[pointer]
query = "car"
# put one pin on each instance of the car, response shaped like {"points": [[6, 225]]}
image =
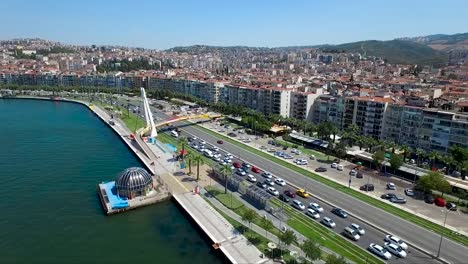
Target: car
{"points": [[263, 147], [312, 157], [272, 191], [256, 170], [379, 251], [195, 147], [220, 142], [261, 185], [202, 142], [246, 165], [391, 186], [351, 233], [266, 174], [251, 178], [409, 192], [388, 196], [352, 173], [271, 150], [359, 175], [236, 165], [302, 193], [280, 182], [290, 193], [215, 149], [232, 134], [301, 162], [451, 206], [439, 201], [287, 156], [321, 169], [294, 150], [312, 213], [368, 187], [328, 222], [359, 229], [339, 167], [284, 198], [429, 198], [190, 139], [398, 200], [396, 240], [217, 159], [395, 250], [334, 165], [316, 207], [298, 205], [269, 182], [340, 212], [241, 172]]}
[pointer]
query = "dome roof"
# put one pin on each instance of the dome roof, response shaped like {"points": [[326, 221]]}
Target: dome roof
{"points": [[134, 178]]}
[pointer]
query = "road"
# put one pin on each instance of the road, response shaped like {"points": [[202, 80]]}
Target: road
{"points": [[450, 251]]}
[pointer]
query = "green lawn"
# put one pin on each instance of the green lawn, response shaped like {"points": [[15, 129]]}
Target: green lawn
{"points": [[131, 120], [308, 152], [377, 203]]}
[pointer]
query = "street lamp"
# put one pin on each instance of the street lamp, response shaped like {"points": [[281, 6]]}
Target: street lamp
{"points": [[442, 234]]}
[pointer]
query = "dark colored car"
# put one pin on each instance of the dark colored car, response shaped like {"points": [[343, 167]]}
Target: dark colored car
{"points": [[336, 161], [290, 193], [220, 142], [284, 198], [388, 196], [451, 206], [261, 185], [368, 187], [232, 134], [398, 200], [428, 198], [439, 202], [340, 212], [359, 175], [189, 139], [321, 169]]}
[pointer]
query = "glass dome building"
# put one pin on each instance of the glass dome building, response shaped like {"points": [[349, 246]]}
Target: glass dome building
{"points": [[133, 182]]}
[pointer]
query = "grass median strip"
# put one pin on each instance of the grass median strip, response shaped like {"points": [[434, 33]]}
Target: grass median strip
{"points": [[363, 197]]}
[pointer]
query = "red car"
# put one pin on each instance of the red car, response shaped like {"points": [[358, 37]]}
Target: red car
{"points": [[256, 170], [439, 202], [220, 142], [236, 165], [290, 193]]}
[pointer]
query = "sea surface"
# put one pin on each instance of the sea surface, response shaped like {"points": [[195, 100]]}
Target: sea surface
{"points": [[52, 156]]}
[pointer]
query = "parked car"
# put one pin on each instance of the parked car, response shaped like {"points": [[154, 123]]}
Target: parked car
{"points": [[232, 134], [316, 207], [236, 165], [312, 213], [220, 142], [353, 173], [340, 212], [246, 165], [409, 192], [298, 205], [379, 251], [428, 198], [312, 157], [328, 222], [251, 178], [301, 162], [359, 175], [396, 240], [256, 170], [339, 167], [359, 229], [321, 169], [273, 191], [269, 182], [368, 187], [302, 193], [266, 174], [398, 200], [261, 185], [334, 165], [284, 198], [451, 206], [395, 250], [391, 186], [280, 182], [439, 201], [241, 172], [351, 233], [290, 193], [388, 196]]}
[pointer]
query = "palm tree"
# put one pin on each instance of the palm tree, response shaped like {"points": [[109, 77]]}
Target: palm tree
{"points": [[434, 155], [197, 158], [406, 151], [183, 143], [189, 157], [419, 152], [226, 170]]}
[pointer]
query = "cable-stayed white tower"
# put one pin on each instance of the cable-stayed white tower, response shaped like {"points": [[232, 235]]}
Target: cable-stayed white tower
{"points": [[148, 115]]}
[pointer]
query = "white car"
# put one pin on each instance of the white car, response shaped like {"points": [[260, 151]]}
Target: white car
{"points": [[203, 142], [316, 207], [215, 148], [269, 182], [333, 165], [359, 229], [328, 222], [298, 204], [353, 173], [339, 167], [251, 178], [241, 172], [267, 175], [379, 251], [273, 191], [312, 213], [396, 240], [217, 159], [280, 182], [227, 160], [395, 250], [301, 162], [195, 147]]}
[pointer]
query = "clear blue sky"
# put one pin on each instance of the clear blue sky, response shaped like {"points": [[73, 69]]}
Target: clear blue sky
{"points": [[169, 23]]}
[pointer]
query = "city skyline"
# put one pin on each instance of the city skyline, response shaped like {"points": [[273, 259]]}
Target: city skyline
{"points": [[164, 25]]}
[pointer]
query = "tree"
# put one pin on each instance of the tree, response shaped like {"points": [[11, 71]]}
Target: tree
{"points": [[287, 238], [311, 249], [226, 170], [340, 149], [419, 152], [378, 158], [249, 216], [395, 162], [183, 142], [459, 155], [329, 150], [434, 181], [267, 225], [333, 259], [189, 157], [406, 151], [198, 159]]}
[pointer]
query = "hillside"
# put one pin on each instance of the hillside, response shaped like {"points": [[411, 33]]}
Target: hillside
{"points": [[396, 51], [442, 41]]}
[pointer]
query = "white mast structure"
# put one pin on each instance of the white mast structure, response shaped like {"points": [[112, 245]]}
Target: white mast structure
{"points": [[148, 115]]}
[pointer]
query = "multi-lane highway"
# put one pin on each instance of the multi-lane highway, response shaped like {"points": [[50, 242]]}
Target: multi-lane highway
{"points": [[377, 219]]}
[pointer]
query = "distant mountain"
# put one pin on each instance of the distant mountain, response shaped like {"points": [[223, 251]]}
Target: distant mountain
{"points": [[443, 42], [395, 51]]}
